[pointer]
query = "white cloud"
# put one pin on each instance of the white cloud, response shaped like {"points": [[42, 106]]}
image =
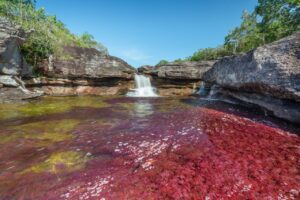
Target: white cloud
{"points": [[135, 55]]}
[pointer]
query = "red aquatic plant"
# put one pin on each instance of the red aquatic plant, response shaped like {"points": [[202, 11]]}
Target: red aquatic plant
{"points": [[196, 153]]}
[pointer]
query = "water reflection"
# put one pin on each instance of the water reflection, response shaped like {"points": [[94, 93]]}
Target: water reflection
{"points": [[143, 109]]}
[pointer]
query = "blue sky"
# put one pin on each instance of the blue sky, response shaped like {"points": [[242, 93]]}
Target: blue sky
{"points": [[146, 31]]}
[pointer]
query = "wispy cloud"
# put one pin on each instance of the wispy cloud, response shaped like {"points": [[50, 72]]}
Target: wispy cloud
{"points": [[135, 55]]}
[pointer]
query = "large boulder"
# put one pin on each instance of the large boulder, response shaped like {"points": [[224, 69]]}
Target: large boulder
{"points": [[268, 76], [177, 78], [11, 60], [80, 62]]}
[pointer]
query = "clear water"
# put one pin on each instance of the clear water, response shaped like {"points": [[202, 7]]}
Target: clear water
{"points": [[144, 148]]}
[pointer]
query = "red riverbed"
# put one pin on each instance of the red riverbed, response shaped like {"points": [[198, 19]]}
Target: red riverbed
{"points": [[152, 149]]}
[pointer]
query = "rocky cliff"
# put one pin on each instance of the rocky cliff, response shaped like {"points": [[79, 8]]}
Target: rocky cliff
{"points": [[83, 71], [11, 60], [12, 64], [182, 78], [268, 76], [76, 71]]}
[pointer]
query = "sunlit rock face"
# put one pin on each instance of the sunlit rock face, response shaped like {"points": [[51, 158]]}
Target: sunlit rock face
{"points": [[12, 63], [80, 71], [80, 86], [77, 62], [268, 76], [125, 148]]}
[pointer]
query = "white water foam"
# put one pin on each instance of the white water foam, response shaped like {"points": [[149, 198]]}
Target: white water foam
{"points": [[143, 87]]}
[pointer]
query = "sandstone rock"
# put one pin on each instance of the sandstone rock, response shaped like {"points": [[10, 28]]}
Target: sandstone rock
{"points": [[7, 80], [13, 89], [148, 70], [80, 86], [271, 71], [11, 60], [184, 70], [86, 63], [177, 79], [83, 71], [8, 95]]}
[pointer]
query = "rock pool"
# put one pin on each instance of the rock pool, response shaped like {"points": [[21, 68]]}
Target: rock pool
{"points": [[137, 148]]}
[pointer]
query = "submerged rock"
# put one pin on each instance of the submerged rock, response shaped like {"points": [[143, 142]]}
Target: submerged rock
{"points": [[268, 76]]}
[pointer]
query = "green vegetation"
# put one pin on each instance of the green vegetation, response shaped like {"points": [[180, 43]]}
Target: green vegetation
{"points": [[44, 132], [59, 162], [49, 105], [270, 21], [49, 35], [210, 54], [162, 62]]}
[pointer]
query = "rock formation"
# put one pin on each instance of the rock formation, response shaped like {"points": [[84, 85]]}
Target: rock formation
{"points": [[12, 64], [182, 78], [83, 71], [86, 63], [76, 71], [11, 60], [268, 76]]}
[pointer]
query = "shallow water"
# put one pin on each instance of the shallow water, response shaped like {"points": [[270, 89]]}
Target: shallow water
{"points": [[159, 148]]}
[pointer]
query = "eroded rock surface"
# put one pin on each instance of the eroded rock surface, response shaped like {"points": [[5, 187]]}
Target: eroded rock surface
{"points": [[271, 72], [11, 60], [80, 86], [76, 71], [12, 64], [182, 78], [86, 63], [84, 71]]}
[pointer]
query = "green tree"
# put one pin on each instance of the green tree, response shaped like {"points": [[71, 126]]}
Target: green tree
{"points": [[270, 21], [279, 18], [245, 37], [210, 54], [162, 62], [88, 40]]}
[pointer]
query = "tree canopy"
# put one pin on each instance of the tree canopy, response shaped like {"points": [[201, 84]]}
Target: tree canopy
{"points": [[270, 21]]}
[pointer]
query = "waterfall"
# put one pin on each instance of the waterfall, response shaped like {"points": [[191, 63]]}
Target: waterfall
{"points": [[143, 87]]}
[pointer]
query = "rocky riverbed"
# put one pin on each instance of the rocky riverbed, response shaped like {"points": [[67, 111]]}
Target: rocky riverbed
{"points": [[153, 148]]}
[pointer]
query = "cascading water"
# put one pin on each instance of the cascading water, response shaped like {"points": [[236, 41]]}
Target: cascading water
{"points": [[144, 87]]}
